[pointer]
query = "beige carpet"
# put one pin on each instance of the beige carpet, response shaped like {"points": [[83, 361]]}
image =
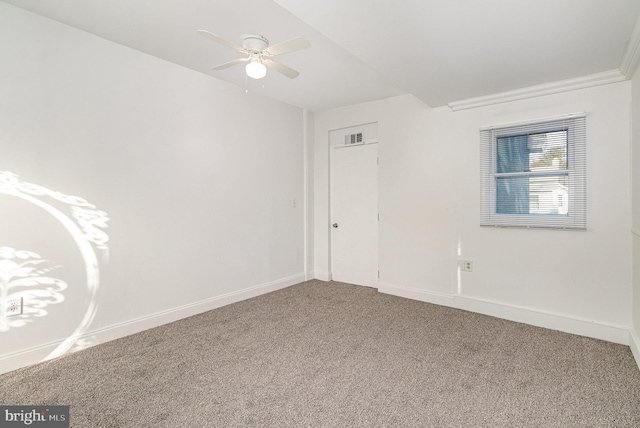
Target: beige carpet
{"points": [[331, 354]]}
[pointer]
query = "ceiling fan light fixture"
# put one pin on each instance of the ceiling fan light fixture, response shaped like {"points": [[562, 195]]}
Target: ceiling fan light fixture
{"points": [[259, 54], [256, 70]]}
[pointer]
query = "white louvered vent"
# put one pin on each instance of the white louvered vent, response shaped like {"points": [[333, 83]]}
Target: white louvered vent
{"points": [[351, 139]]}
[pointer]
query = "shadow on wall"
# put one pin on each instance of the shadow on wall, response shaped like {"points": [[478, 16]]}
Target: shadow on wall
{"points": [[49, 266]]}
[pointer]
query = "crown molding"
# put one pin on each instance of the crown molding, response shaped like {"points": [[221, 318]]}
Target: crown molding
{"points": [[631, 57], [597, 79]]}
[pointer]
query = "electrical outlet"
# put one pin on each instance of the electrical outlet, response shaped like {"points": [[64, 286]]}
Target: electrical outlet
{"points": [[13, 307], [465, 265]]}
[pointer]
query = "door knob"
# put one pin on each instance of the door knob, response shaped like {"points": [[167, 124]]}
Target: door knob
{"points": [[335, 225]]}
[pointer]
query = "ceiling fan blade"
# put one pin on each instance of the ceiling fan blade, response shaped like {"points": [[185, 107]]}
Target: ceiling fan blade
{"points": [[289, 46], [230, 64], [281, 68], [215, 38]]}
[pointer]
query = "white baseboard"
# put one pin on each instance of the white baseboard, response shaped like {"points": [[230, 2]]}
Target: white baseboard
{"points": [[415, 294], [322, 276], [611, 333], [634, 344], [25, 357], [567, 324]]}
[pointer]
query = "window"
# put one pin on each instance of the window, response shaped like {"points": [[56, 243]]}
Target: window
{"points": [[533, 174]]}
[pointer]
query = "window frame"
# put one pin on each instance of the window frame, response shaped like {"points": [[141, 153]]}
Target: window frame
{"points": [[575, 219]]}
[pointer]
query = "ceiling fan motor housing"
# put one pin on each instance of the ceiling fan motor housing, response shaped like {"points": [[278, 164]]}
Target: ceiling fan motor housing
{"points": [[254, 42]]}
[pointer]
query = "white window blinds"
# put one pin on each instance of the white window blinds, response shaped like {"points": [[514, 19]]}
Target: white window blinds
{"points": [[533, 174]]}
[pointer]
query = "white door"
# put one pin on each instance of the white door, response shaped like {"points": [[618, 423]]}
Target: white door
{"points": [[354, 214]]}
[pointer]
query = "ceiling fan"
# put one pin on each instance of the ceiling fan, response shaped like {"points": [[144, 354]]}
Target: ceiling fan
{"points": [[259, 54]]}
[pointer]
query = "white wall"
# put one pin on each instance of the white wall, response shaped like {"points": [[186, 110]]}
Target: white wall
{"points": [[429, 209], [635, 223], [197, 177], [309, 134]]}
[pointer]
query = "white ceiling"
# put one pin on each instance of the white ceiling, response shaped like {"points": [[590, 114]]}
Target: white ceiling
{"points": [[361, 50]]}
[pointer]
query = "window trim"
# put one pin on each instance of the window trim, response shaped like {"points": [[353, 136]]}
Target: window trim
{"points": [[575, 219]]}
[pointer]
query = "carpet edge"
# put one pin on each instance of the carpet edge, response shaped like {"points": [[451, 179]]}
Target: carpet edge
{"points": [[565, 323], [35, 354]]}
